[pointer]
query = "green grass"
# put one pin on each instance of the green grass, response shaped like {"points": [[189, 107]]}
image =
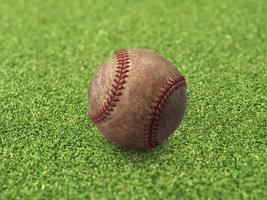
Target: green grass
{"points": [[50, 49]]}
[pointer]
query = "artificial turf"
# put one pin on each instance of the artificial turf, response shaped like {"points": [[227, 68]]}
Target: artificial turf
{"points": [[50, 49]]}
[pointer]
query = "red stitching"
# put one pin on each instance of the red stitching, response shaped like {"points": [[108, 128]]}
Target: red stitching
{"points": [[123, 63], [153, 116]]}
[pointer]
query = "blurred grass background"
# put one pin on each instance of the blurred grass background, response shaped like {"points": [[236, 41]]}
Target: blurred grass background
{"points": [[50, 49]]}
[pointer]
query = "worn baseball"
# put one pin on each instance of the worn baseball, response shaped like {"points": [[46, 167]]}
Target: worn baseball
{"points": [[137, 98]]}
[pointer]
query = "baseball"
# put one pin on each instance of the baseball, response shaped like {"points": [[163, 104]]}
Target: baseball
{"points": [[137, 98]]}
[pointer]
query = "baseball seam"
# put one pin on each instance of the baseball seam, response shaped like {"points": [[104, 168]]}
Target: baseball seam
{"points": [[153, 116], [123, 63]]}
